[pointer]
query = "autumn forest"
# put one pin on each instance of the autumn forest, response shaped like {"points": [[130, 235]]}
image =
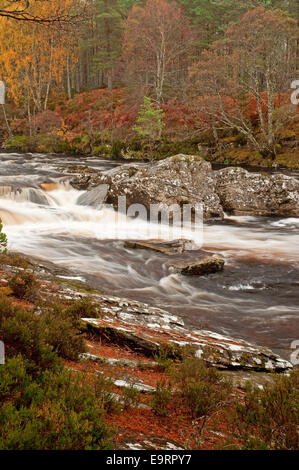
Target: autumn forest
{"points": [[217, 72]]}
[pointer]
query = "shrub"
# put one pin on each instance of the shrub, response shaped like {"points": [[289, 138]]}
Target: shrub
{"points": [[19, 143], [103, 149], [163, 360], [268, 418], [131, 396], [61, 330], [13, 259], [241, 139], [203, 389], [40, 338], [24, 285], [162, 398], [83, 308], [103, 389], [23, 333], [117, 148], [54, 411]]}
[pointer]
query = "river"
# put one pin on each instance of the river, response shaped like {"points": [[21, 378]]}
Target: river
{"points": [[256, 298]]}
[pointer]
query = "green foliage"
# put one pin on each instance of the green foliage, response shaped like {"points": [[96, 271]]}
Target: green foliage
{"points": [[23, 332], [149, 123], [109, 30], [101, 150], [163, 360], [24, 285], [81, 144], [268, 418], [117, 148], [54, 411], [61, 329], [203, 389], [42, 405], [40, 338], [18, 143], [13, 259], [83, 308], [213, 17], [131, 396], [3, 240], [162, 398]]}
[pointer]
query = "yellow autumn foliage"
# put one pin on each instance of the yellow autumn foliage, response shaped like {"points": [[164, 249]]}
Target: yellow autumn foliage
{"points": [[34, 57]]}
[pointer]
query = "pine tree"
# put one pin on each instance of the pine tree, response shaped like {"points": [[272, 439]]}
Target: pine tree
{"points": [[109, 24], [3, 240], [150, 123]]}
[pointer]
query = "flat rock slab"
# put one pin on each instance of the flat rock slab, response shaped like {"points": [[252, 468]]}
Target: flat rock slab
{"points": [[115, 362], [150, 443], [207, 265], [163, 333], [171, 248]]}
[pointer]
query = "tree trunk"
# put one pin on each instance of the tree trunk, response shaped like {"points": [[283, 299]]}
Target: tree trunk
{"points": [[6, 121], [68, 77]]}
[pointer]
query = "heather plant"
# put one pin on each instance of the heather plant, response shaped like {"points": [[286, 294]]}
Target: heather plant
{"points": [[162, 398], [24, 285], [83, 308], [44, 406], [41, 339], [268, 418], [203, 389], [131, 397], [53, 411]]}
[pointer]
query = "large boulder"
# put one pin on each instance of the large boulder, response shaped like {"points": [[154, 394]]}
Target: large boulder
{"points": [[178, 180], [242, 192]]}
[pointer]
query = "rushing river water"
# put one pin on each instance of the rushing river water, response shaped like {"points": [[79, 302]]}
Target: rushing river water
{"points": [[256, 298]]}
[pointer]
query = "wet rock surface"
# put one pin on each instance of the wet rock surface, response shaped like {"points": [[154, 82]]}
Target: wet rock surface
{"points": [[95, 197], [207, 265], [176, 247], [152, 338]]}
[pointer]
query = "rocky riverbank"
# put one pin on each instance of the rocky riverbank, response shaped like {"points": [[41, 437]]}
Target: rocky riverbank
{"points": [[134, 349], [145, 329]]}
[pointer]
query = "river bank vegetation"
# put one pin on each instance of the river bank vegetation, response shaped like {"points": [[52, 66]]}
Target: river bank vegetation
{"points": [[217, 77], [52, 399]]}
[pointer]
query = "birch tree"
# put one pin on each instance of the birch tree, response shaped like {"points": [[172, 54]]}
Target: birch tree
{"points": [[250, 69]]}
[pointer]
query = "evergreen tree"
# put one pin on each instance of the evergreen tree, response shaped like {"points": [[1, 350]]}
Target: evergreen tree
{"points": [[150, 123], [3, 240], [109, 26]]}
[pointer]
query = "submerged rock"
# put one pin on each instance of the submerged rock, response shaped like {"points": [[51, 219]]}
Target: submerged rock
{"points": [[242, 192], [207, 265], [171, 248]]}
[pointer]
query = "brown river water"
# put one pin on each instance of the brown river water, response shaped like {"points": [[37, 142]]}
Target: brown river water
{"points": [[256, 298]]}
